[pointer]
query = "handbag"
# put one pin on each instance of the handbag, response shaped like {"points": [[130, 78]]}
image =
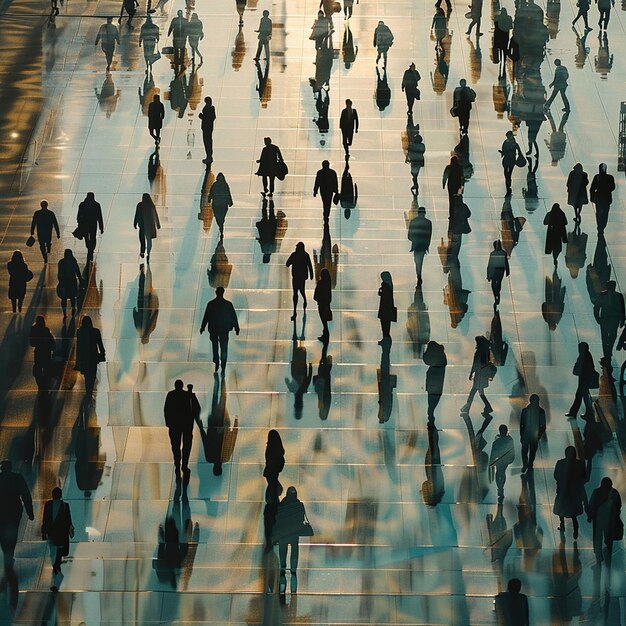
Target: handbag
{"points": [[594, 380], [153, 58], [454, 112], [394, 314], [30, 242], [167, 50], [336, 198], [281, 170], [78, 233], [521, 160], [618, 529], [306, 530]]}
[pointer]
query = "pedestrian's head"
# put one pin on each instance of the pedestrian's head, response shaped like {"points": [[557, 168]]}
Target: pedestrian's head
{"points": [[219, 292], [267, 140], [194, 16], [325, 164], [509, 134], [556, 207], [386, 278], [179, 13], [156, 98], [570, 453], [40, 321], [266, 13], [412, 66], [381, 23], [578, 167], [320, 14], [68, 253], [418, 138], [90, 196], [300, 246], [602, 168], [57, 493], [497, 245], [220, 178], [178, 384], [515, 584], [274, 441], [534, 399], [606, 484], [421, 210], [325, 276], [610, 286], [6, 466], [44, 203], [462, 82], [109, 19], [292, 493], [503, 430], [583, 347], [86, 322], [208, 101], [557, 62], [349, 102], [17, 257], [148, 19], [502, 11]]}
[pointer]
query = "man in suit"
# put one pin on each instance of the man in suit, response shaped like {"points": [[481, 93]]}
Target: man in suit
{"points": [[14, 498], [208, 121], [44, 220], [156, 115], [89, 218], [265, 34], [326, 183], [219, 318], [178, 30], [57, 528], [349, 124], [410, 80], [179, 417], [420, 234]]}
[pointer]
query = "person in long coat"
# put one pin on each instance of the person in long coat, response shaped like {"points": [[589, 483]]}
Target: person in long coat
{"points": [[585, 371], [383, 40], [601, 194], [509, 151], [147, 220], [89, 352], [274, 458], [268, 165], [42, 340], [570, 476], [435, 358], [19, 275], [577, 182], [69, 280], [497, 268], [220, 200], [323, 295], [387, 311], [57, 528], [89, 218], [604, 510], [156, 115], [481, 373], [556, 235]]}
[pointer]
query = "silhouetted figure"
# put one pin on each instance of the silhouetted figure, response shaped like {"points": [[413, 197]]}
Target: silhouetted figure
{"points": [[301, 371], [570, 476], [149, 36], [348, 49], [274, 459], [180, 411], [14, 498], [454, 179], [57, 529], [559, 85], [349, 125], [195, 32], [265, 34], [604, 8], [554, 305], [556, 233], [435, 358], [415, 156], [208, 121], [439, 27], [503, 25], [268, 165], [19, 275], [219, 319], [497, 269], [576, 251], [221, 201], [512, 606], [327, 185], [499, 346], [603, 511], [107, 37], [267, 228], [481, 373], [387, 311], [348, 192], [462, 104], [69, 281], [532, 426], [321, 29], [89, 219], [44, 220], [476, 13], [323, 296], [156, 115], [146, 313], [502, 455], [410, 81], [130, 6], [89, 352], [383, 91], [420, 235], [510, 151], [587, 378], [383, 40], [348, 5], [609, 312], [178, 30], [601, 194], [418, 323], [577, 182], [272, 500], [583, 10], [458, 225], [322, 382], [147, 220], [43, 342], [301, 270]]}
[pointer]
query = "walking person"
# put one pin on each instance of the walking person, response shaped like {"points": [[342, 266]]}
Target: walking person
{"points": [[14, 498], [323, 295], [435, 358], [221, 201], [410, 81], [264, 36], [439, 28], [57, 529], [583, 10], [149, 36], [89, 352], [577, 182], [608, 311], [301, 270], [482, 371], [130, 6], [328, 186], [179, 418], [415, 156], [570, 476], [556, 233], [349, 125], [69, 281], [274, 460], [268, 165], [454, 179], [44, 221], [383, 40], [588, 378], [178, 30], [532, 427], [462, 99], [156, 115], [420, 235], [42, 340], [502, 455], [601, 194], [503, 24], [108, 35], [19, 275], [559, 85], [511, 606], [195, 33], [510, 152], [147, 221], [604, 8], [497, 269], [89, 219], [387, 311], [219, 319], [476, 13], [207, 115], [603, 511]]}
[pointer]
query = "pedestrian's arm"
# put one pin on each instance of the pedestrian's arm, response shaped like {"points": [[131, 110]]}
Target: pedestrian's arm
{"points": [[97, 39], [444, 179], [100, 220], [33, 223], [156, 219], [317, 185], [235, 320], [356, 121], [310, 267], [205, 319], [55, 225], [27, 499]]}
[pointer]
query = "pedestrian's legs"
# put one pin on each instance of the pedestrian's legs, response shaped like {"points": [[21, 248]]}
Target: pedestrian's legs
{"points": [[108, 53], [223, 337], [142, 242], [385, 326], [551, 98], [496, 287], [608, 540], [14, 304], [508, 174], [575, 525], [266, 47], [565, 100], [525, 450], [327, 203], [282, 556], [433, 401], [148, 245], [410, 99], [207, 138], [175, 440], [293, 558], [215, 345], [532, 451], [500, 479], [470, 398], [573, 411], [272, 178], [264, 179], [418, 257], [187, 436], [44, 250], [488, 407], [588, 402], [257, 56]]}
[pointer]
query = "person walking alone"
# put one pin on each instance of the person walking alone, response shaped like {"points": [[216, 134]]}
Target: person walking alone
{"points": [[601, 194], [147, 220], [69, 281], [89, 219], [156, 115], [349, 125], [410, 81], [328, 186], [57, 529], [44, 221], [265, 34], [219, 319], [603, 511], [301, 270], [19, 275], [559, 85], [208, 122]]}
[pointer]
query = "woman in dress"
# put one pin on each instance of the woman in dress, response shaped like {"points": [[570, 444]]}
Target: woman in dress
{"points": [[570, 476], [556, 234], [19, 275], [387, 311], [89, 352], [221, 201]]}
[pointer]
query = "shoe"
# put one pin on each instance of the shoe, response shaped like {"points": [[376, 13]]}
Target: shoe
{"points": [[141, 255], [576, 533], [256, 59], [293, 317], [571, 415]]}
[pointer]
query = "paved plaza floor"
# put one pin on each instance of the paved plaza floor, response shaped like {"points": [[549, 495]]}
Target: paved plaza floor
{"points": [[408, 525]]}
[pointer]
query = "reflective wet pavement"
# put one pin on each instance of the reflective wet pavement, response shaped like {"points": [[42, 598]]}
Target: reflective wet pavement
{"points": [[408, 528]]}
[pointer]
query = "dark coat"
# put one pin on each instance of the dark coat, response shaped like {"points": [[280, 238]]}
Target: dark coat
{"points": [[156, 115], [420, 233], [453, 177], [577, 182], [208, 118], [289, 519], [44, 220], [58, 529], [14, 497], [89, 349], [42, 340], [268, 161], [498, 265], [178, 410], [435, 358], [349, 121], [301, 266], [219, 317], [323, 295], [556, 235], [410, 80], [601, 189], [326, 182], [89, 216], [570, 488], [386, 307], [69, 277], [19, 275], [147, 219]]}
